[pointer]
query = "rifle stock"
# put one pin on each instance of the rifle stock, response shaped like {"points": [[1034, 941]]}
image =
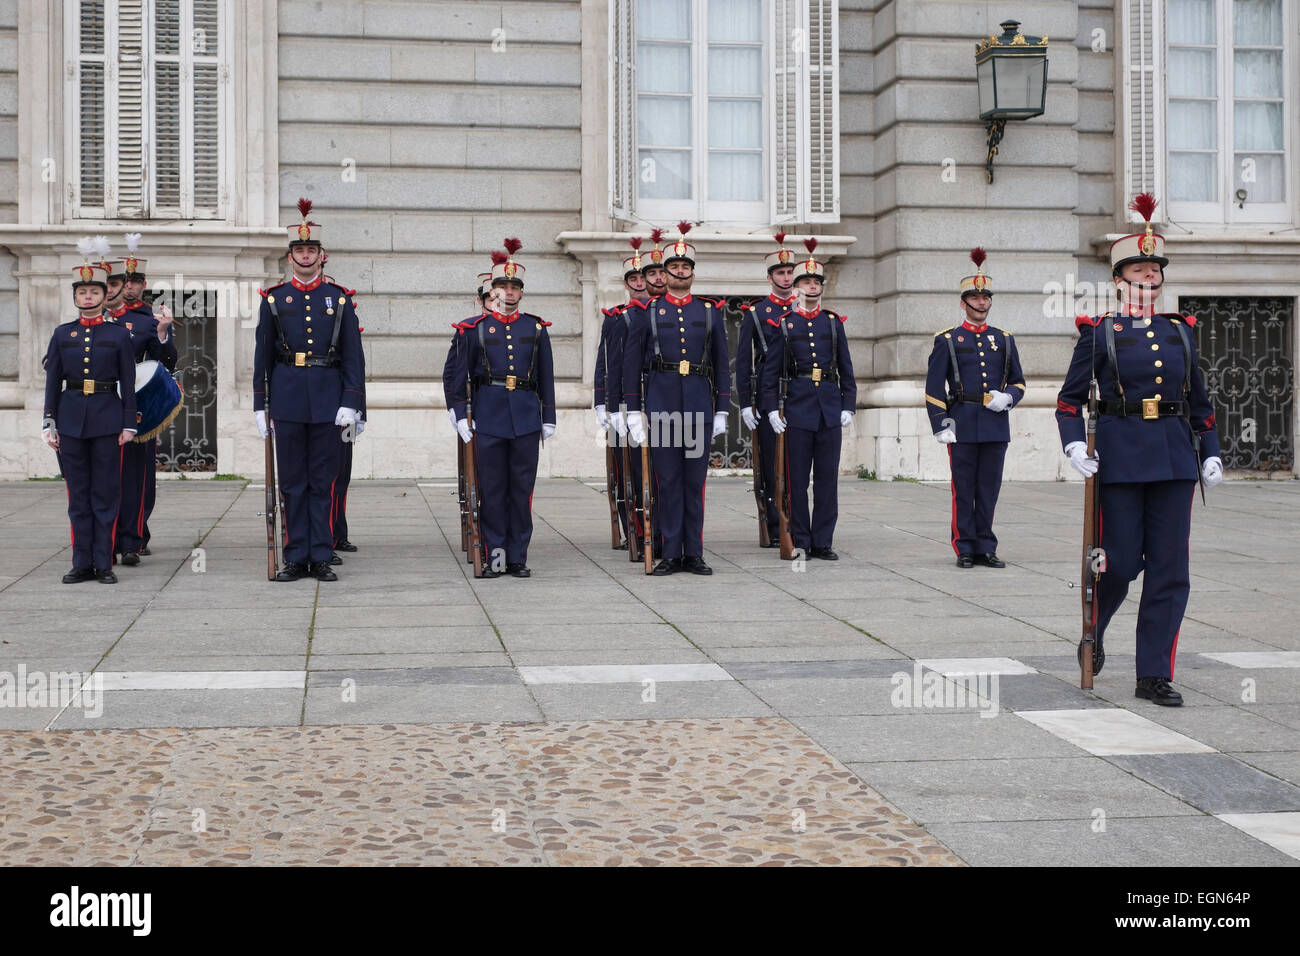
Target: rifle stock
{"points": [[474, 531], [632, 498], [760, 489], [272, 502], [612, 492], [783, 498], [1094, 558], [460, 494], [647, 509]]}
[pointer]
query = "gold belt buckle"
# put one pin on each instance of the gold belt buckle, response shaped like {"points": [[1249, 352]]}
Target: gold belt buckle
{"points": [[988, 397], [817, 374], [511, 381], [300, 359], [683, 367], [1150, 408], [87, 386]]}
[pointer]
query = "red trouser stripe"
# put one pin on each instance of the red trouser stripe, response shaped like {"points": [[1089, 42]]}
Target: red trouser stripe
{"points": [[952, 486]]}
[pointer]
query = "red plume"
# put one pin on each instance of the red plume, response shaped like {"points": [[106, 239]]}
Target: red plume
{"points": [[304, 207], [1144, 204], [683, 227], [635, 242], [499, 258], [977, 256], [513, 246], [810, 244], [779, 237], [656, 236]]}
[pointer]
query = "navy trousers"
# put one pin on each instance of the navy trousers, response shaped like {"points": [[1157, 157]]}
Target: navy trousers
{"points": [[132, 522], [976, 482], [340, 505], [634, 459], [308, 459], [1145, 526], [817, 452], [767, 464], [507, 472], [679, 475], [615, 445], [92, 469]]}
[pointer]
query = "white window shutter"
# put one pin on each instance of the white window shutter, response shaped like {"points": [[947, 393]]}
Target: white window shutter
{"points": [[1143, 99], [822, 199], [88, 95], [130, 111], [622, 108], [168, 110], [205, 43], [783, 123]]}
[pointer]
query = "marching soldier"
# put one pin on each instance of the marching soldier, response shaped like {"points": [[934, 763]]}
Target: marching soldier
{"points": [[86, 421], [808, 359], [309, 345], [608, 378], [151, 338], [1155, 439], [679, 343], [751, 350], [652, 271], [506, 354], [974, 377]]}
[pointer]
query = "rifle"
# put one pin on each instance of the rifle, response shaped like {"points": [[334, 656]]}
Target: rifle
{"points": [[272, 491], [460, 494], [783, 498], [632, 498], [647, 507], [1094, 558], [612, 493], [760, 490], [474, 531]]}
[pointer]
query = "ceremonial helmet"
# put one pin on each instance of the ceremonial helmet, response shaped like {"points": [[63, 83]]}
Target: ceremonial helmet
{"points": [[810, 267], [655, 260], [1148, 246], [979, 283], [92, 273], [132, 267], [633, 263], [681, 249], [306, 232], [504, 267], [781, 257]]}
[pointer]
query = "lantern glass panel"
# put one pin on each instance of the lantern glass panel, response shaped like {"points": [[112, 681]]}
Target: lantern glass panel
{"points": [[1020, 83], [988, 100]]}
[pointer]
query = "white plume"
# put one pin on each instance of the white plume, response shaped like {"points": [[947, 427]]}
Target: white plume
{"points": [[101, 246], [132, 241], [85, 246]]}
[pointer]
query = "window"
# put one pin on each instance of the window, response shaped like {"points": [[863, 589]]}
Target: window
{"points": [[147, 105], [724, 110]]}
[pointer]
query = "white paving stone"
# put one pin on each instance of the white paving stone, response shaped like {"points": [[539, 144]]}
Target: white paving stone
{"points": [[1106, 732], [1279, 830], [1257, 659], [200, 680], [621, 673], [965, 666]]}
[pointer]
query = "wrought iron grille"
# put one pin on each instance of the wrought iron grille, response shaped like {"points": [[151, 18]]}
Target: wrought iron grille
{"points": [[1245, 347], [735, 448], [190, 444]]}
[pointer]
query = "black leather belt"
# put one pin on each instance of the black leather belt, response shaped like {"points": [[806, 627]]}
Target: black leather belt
{"points": [[969, 400], [303, 360], [681, 368], [1148, 408], [511, 382], [820, 375], [88, 386]]}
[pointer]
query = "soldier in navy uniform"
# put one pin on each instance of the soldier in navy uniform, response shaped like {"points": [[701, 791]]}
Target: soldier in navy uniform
{"points": [[347, 438], [1155, 438], [974, 377], [679, 343], [808, 356], [86, 421], [506, 354], [751, 351], [607, 381], [481, 296], [309, 343], [652, 271], [151, 338]]}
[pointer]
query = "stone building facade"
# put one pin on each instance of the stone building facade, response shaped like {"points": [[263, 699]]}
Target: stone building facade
{"points": [[426, 131]]}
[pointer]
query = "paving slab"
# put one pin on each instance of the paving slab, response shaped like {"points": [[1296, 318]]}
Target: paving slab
{"points": [[1214, 783]]}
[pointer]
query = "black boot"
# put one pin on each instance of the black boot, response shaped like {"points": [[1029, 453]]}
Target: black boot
{"points": [[322, 571], [77, 575], [1157, 690], [292, 571]]}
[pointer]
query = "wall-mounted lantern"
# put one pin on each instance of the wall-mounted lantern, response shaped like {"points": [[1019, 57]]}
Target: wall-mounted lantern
{"points": [[1012, 73]]}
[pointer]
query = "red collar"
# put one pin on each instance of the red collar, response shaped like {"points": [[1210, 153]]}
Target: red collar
{"points": [[786, 302], [307, 287], [808, 315], [974, 328], [132, 305], [118, 312], [673, 300], [1141, 314], [93, 320], [505, 319]]}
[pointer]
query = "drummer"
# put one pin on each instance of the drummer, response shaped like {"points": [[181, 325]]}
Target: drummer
{"points": [[150, 339]]}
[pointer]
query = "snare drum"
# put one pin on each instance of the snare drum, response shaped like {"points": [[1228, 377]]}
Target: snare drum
{"points": [[158, 399]]}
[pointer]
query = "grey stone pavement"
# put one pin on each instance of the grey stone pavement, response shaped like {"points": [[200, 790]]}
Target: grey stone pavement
{"points": [[1028, 770]]}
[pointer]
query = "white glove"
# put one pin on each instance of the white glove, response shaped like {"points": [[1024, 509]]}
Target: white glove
{"points": [[1078, 454], [636, 427], [462, 429], [346, 416], [547, 431], [719, 424], [602, 417], [1212, 471], [774, 419], [749, 417], [1000, 401], [262, 429], [946, 436], [845, 418], [361, 426], [50, 434], [451, 416], [619, 422]]}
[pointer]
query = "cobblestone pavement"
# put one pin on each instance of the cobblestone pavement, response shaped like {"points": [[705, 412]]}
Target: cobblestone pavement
{"points": [[888, 708]]}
